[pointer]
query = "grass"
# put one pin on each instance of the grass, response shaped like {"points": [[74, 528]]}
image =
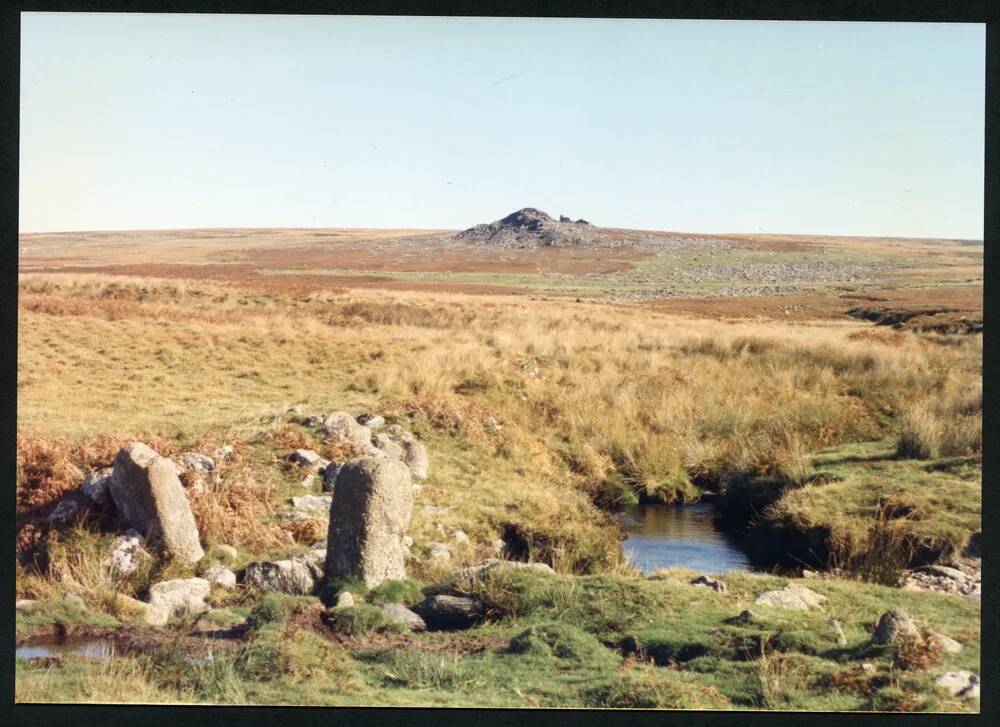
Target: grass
{"points": [[556, 649], [538, 415]]}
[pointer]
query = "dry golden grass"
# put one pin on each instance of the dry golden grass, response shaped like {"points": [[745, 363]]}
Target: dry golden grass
{"points": [[527, 405]]}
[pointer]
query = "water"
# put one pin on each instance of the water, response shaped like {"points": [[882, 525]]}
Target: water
{"points": [[664, 536], [99, 649]]}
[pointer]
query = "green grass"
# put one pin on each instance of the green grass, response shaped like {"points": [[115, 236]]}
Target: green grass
{"points": [[556, 646]]}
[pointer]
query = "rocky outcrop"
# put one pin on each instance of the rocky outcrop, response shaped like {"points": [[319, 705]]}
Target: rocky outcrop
{"points": [[342, 427], [529, 228], [149, 498], [374, 501]]}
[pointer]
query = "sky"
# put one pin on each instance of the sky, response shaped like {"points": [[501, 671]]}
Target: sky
{"points": [[155, 121]]}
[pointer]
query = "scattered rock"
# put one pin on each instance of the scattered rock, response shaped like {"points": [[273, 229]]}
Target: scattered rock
{"points": [[401, 614], [943, 571], [330, 476], [125, 555], [345, 599], [892, 626], [145, 613], [434, 510], [365, 537], [838, 631], [314, 503], [305, 457], [708, 582], [959, 683], [372, 421], [197, 462], [25, 605], [281, 576], [95, 486], [149, 497], [221, 577], [439, 552], [407, 541], [448, 612], [948, 645], [342, 427], [793, 597], [64, 512], [180, 596], [744, 618], [415, 457], [383, 442], [460, 537]]}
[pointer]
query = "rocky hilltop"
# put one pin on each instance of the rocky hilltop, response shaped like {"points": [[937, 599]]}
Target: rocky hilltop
{"points": [[530, 227]]}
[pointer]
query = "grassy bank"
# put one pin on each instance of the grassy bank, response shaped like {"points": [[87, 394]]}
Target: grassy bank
{"points": [[556, 640]]}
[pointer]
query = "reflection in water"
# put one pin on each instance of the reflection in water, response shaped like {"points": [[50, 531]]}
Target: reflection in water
{"points": [[665, 536]]}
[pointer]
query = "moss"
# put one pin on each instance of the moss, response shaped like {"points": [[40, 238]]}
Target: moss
{"points": [[563, 641], [276, 608]]}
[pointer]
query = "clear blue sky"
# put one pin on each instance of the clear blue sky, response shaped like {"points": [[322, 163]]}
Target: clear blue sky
{"points": [[160, 121]]}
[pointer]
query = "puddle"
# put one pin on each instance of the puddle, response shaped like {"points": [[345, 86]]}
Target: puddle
{"points": [[97, 649], [665, 536]]}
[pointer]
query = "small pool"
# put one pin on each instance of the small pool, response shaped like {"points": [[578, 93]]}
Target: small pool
{"points": [[100, 649], [666, 536]]}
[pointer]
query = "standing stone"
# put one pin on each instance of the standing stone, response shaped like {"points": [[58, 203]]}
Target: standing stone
{"points": [[374, 500], [150, 498]]}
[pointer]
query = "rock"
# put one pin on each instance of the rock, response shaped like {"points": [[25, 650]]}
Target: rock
{"points": [[415, 457], [150, 498], [197, 462], [499, 546], [838, 631], [95, 486], [448, 612], [305, 457], [806, 573], [223, 453], [64, 512], [892, 626], [372, 421], [401, 614], [383, 442], [228, 552], [708, 582], [959, 683], [439, 552], [25, 605], [948, 645], [342, 427], [281, 576], [744, 618], [220, 576], [315, 561], [316, 503], [365, 537], [944, 572], [792, 597], [181, 596], [407, 541], [144, 612], [460, 537], [345, 599], [330, 476], [125, 556]]}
